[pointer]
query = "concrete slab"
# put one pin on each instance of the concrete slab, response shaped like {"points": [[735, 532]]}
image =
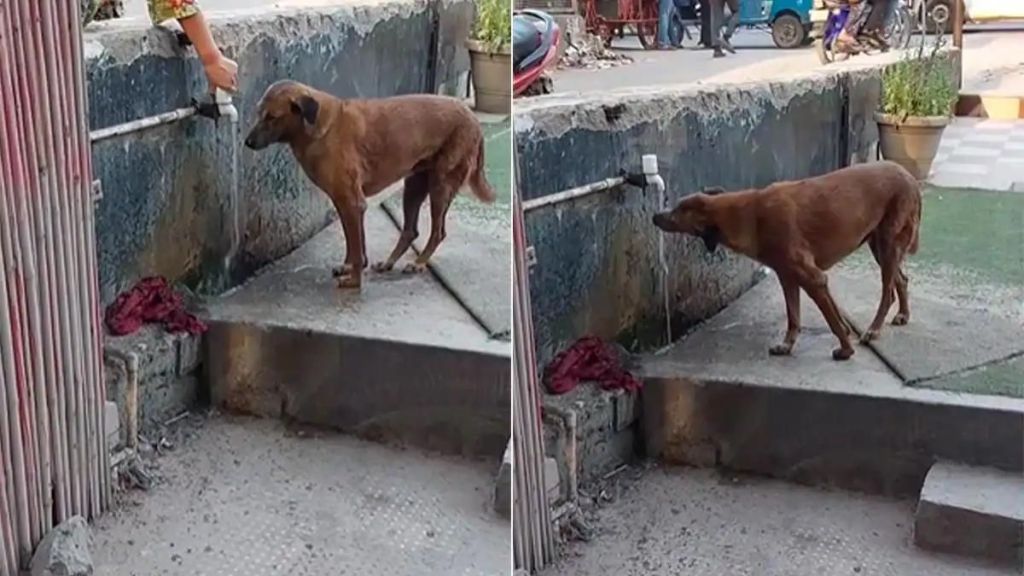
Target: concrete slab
{"points": [[251, 497], [398, 361], [973, 512], [939, 340], [673, 521], [717, 397], [473, 263]]}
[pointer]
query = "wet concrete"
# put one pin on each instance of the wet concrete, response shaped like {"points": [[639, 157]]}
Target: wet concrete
{"points": [[167, 206]]}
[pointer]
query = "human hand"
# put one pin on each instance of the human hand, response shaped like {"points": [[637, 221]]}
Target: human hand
{"points": [[221, 72]]}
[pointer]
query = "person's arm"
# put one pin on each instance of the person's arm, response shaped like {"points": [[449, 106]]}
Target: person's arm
{"points": [[221, 72]]}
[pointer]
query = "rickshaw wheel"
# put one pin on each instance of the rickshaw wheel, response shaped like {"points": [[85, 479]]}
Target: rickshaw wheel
{"points": [[647, 32], [788, 31]]}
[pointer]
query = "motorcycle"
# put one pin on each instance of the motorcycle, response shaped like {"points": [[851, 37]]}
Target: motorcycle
{"points": [[897, 33], [535, 40]]}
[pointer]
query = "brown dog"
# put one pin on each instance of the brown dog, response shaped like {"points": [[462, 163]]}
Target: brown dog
{"points": [[801, 229], [353, 149]]}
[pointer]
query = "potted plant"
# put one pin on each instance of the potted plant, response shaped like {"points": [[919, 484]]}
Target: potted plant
{"points": [[918, 94], [490, 56]]}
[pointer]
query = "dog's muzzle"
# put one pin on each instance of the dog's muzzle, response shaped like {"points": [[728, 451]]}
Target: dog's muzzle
{"points": [[661, 221]]}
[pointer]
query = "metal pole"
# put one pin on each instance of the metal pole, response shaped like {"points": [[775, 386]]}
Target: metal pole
{"points": [[958, 24], [573, 193]]}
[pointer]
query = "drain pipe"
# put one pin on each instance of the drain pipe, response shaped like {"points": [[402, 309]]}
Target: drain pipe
{"points": [[129, 364]]}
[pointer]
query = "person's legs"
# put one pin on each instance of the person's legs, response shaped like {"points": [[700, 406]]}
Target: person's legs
{"points": [[717, 16], [731, 24], [848, 37], [665, 8]]}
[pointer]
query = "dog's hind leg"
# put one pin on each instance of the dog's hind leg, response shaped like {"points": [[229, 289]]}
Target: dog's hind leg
{"points": [[903, 316], [416, 188], [791, 291], [890, 264], [442, 192]]}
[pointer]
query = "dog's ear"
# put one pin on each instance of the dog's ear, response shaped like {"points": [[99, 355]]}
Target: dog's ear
{"points": [[307, 107], [711, 235], [714, 190]]}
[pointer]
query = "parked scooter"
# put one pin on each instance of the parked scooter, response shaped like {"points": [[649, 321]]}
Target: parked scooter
{"points": [[535, 40]]}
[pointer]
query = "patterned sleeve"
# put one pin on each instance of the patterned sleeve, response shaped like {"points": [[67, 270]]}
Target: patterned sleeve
{"points": [[162, 10]]}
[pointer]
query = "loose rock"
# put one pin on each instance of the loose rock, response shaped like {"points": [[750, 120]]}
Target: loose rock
{"points": [[65, 551]]}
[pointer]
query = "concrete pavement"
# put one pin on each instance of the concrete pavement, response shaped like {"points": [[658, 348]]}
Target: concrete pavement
{"points": [[993, 61]]}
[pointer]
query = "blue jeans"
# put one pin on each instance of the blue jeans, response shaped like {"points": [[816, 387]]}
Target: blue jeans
{"points": [[665, 9]]}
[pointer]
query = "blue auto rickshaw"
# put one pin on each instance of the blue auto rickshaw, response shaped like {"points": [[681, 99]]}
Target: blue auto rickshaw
{"points": [[788, 20]]}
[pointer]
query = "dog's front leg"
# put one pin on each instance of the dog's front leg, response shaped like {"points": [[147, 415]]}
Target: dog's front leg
{"points": [[351, 207], [791, 291], [815, 283]]}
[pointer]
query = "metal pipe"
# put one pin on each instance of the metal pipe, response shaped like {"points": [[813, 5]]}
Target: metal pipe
{"points": [[142, 124], [573, 193], [958, 24]]}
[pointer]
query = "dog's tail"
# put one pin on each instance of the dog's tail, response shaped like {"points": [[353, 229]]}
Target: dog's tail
{"points": [[917, 226], [478, 181]]}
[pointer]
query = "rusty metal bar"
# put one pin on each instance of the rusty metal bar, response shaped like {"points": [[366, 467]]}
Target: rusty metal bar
{"points": [[958, 24]]}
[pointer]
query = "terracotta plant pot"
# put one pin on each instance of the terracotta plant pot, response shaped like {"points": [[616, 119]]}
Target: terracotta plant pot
{"points": [[492, 77], [912, 142]]}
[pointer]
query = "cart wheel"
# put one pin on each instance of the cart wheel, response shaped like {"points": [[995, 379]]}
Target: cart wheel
{"points": [[788, 31], [648, 34]]}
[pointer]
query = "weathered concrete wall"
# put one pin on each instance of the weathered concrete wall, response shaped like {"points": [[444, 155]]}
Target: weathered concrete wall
{"points": [[168, 205], [597, 266]]}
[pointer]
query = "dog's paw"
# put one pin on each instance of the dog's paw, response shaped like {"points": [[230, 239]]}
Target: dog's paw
{"points": [[339, 271], [349, 282], [842, 353], [868, 336], [900, 319], [414, 268], [383, 266], [781, 350]]}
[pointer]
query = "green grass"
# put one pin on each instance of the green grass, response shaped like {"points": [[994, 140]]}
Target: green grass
{"points": [[1001, 379], [981, 232]]}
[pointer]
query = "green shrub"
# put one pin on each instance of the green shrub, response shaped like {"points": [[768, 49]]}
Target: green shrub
{"points": [[493, 23], [921, 84]]}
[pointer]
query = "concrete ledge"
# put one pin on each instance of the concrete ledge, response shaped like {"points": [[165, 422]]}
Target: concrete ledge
{"points": [[972, 512], [400, 361], [718, 398]]}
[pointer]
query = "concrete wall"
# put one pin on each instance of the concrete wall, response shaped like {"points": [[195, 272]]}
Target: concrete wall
{"points": [[168, 203], [598, 269]]}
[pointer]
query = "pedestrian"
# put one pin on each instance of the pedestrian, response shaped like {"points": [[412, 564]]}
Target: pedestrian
{"points": [[718, 22], [665, 11]]}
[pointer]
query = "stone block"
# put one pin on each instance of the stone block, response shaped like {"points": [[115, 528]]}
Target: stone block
{"points": [[972, 511]]}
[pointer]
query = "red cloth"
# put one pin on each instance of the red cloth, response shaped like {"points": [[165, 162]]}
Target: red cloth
{"points": [[588, 359], [150, 301]]}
